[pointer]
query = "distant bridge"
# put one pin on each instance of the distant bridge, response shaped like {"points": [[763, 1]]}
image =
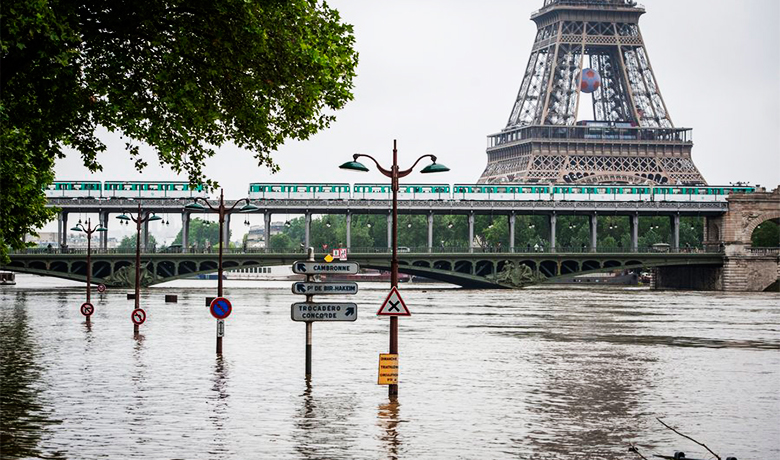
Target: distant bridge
{"points": [[463, 268], [348, 208]]}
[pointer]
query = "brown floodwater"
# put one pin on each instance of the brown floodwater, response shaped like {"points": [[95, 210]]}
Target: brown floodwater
{"points": [[535, 374]]}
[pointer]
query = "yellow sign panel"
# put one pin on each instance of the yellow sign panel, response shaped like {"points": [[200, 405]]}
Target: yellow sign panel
{"points": [[388, 369], [328, 258]]}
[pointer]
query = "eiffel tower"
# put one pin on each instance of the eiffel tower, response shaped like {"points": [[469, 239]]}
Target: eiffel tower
{"points": [[590, 53]]}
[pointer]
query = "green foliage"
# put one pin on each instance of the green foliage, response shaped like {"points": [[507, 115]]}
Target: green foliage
{"points": [[128, 243], [492, 232], [202, 233], [766, 235], [182, 77], [283, 243]]}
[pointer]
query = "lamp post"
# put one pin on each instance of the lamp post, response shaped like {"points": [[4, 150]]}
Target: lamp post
{"points": [[139, 220], [222, 211], [394, 173], [89, 230]]}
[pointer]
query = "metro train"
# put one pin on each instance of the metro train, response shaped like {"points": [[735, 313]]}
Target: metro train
{"points": [[516, 192], [123, 189], [365, 191]]}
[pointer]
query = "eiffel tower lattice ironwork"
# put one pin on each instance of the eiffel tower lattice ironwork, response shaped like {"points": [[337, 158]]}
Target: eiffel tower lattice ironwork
{"points": [[631, 138]]}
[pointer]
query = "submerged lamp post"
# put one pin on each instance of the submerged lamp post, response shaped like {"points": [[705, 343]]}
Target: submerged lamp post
{"points": [[87, 308], [394, 173], [138, 316], [222, 211]]}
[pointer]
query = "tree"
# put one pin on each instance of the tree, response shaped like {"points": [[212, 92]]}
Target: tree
{"points": [[128, 243], [184, 77], [202, 233], [281, 242], [766, 235]]}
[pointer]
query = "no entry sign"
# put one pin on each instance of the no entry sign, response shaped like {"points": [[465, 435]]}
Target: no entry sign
{"points": [[87, 309], [220, 308], [138, 316]]}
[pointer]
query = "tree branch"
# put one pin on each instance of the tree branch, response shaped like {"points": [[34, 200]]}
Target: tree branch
{"points": [[689, 438], [634, 449]]}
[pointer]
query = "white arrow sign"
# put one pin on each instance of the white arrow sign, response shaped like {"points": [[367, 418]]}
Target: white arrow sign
{"points": [[306, 311], [304, 288], [316, 268], [394, 305]]}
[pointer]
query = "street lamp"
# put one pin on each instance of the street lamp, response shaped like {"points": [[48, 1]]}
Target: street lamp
{"points": [[139, 220], [89, 230], [394, 173], [222, 210]]}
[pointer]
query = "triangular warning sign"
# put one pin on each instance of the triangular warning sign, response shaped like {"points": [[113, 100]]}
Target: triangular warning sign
{"points": [[394, 305]]}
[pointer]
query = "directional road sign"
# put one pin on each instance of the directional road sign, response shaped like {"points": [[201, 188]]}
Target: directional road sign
{"points": [[220, 328], [394, 305], [316, 268], [307, 311], [87, 309], [305, 288], [220, 308], [138, 316]]}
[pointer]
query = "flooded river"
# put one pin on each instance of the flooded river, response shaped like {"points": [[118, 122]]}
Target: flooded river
{"points": [[535, 374]]}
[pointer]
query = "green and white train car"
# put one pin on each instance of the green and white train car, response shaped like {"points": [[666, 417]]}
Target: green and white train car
{"points": [[507, 192], [73, 189], [259, 191], [126, 189]]}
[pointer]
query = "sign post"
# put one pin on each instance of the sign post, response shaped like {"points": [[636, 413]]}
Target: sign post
{"points": [[309, 324], [309, 311]]}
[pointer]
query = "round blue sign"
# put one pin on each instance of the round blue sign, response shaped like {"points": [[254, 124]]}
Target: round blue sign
{"points": [[220, 308]]}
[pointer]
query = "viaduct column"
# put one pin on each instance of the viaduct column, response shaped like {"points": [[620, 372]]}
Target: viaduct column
{"points": [[145, 236], [594, 226], [226, 232], [349, 230], [62, 229], [430, 232], [307, 229], [471, 232], [512, 219], [553, 224], [676, 232], [267, 230], [635, 232], [104, 235], [185, 231], [390, 232]]}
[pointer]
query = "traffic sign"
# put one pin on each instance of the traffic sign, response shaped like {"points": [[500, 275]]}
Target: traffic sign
{"points": [[388, 369], [101, 288], [306, 288], [394, 305], [339, 253], [220, 328], [87, 309], [220, 308], [308, 311], [138, 316], [318, 268]]}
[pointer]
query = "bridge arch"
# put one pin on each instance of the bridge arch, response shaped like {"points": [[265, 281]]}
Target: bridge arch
{"points": [[750, 229]]}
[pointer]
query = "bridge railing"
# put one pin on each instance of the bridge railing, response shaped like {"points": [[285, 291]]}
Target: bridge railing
{"points": [[764, 251], [401, 250]]}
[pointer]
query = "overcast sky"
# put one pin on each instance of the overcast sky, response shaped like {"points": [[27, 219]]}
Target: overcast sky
{"points": [[440, 75]]}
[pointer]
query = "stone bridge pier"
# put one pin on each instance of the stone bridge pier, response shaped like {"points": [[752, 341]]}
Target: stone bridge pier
{"points": [[745, 268]]}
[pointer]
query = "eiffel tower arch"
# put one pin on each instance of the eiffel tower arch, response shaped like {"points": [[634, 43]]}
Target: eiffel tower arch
{"points": [[629, 138]]}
